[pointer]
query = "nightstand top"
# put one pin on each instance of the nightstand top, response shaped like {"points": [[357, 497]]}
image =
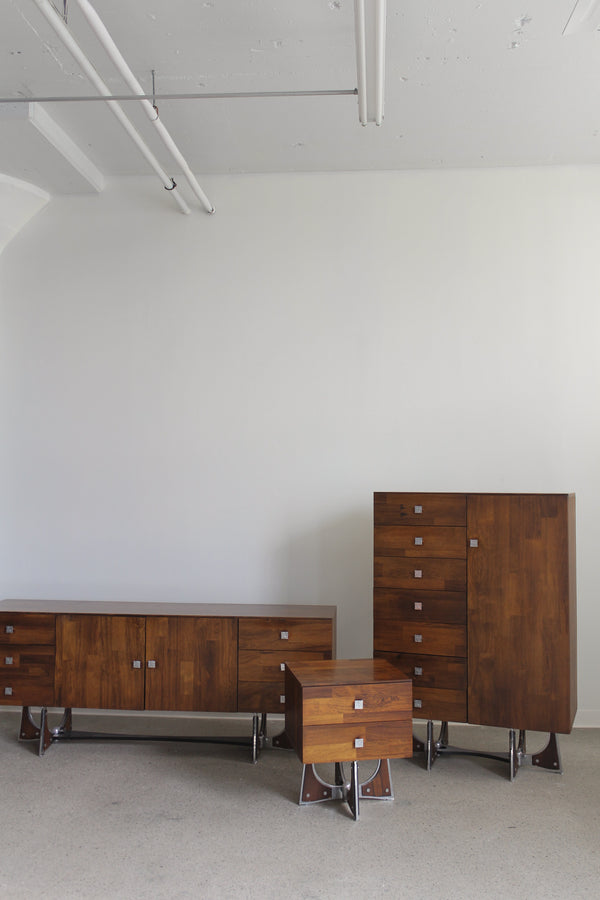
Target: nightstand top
{"points": [[345, 671]]}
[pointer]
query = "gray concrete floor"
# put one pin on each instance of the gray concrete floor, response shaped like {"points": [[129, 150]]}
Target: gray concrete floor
{"points": [[179, 820]]}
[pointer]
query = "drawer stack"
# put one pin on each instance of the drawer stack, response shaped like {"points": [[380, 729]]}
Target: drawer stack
{"points": [[27, 651], [348, 710], [265, 646], [420, 597]]}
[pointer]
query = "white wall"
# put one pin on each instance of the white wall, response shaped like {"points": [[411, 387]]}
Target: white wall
{"points": [[200, 408], [19, 201]]}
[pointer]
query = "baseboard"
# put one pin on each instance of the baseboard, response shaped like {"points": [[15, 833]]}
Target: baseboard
{"points": [[587, 718]]}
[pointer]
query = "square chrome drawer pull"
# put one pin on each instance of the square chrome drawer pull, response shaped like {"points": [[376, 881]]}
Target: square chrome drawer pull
{"points": [[284, 635], [358, 704], [418, 638], [136, 664], [282, 698], [8, 660], [418, 573], [418, 670], [8, 692], [418, 704], [473, 542], [418, 542], [418, 510], [282, 666], [418, 605], [151, 663], [358, 743], [9, 629]]}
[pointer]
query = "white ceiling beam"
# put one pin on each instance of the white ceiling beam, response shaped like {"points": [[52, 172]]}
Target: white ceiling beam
{"points": [[66, 146], [57, 137]]}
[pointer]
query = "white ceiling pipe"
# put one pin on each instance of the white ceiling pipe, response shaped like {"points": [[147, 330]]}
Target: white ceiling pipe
{"points": [[369, 35], [380, 14], [585, 16], [103, 35], [360, 38], [55, 20]]}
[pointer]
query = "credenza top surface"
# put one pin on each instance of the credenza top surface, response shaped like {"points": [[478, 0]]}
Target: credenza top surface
{"points": [[118, 608]]}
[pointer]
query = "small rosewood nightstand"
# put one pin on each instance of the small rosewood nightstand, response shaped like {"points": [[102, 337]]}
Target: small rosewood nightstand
{"points": [[346, 710]]}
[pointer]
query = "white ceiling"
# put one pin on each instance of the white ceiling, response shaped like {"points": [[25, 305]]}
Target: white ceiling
{"points": [[468, 83]]}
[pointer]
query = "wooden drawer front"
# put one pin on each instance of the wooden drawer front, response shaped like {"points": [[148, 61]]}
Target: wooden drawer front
{"points": [[346, 703], [439, 640], [27, 628], [408, 540], [420, 509], [337, 743], [417, 574], [23, 691], [446, 672], [261, 697], [295, 634], [393, 606], [269, 665], [34, 662], [447, 706]]}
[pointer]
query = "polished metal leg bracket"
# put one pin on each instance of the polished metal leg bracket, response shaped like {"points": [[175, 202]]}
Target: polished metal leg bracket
{"points": [[516, 756], [30, 730], [377, 787]]}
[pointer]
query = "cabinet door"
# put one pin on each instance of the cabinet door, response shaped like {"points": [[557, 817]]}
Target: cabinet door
{"points": [[191, 663], [97, 661], [521, 615]]}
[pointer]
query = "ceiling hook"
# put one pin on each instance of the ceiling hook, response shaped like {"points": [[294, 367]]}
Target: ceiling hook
{"points": [[154, 106], [64, 14]]}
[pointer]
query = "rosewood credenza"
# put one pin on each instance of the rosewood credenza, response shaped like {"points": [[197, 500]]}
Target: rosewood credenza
{"points": [[188, 657]]}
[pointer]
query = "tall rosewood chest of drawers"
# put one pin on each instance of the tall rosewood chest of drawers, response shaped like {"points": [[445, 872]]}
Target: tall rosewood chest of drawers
{"points": [[474, 598]]}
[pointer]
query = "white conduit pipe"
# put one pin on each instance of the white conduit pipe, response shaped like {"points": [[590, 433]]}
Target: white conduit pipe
{"points": [[380, 11], [103, 35], [50, 13], [360, 32]]}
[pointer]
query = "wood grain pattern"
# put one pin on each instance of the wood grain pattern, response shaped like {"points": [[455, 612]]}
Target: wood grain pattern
{"points": [[141, 608], [261, 696], [27, 628], [436, 509], [302, 634], [335, 743], [344, 671], [414, 542], [519, 581], [267, 665], [94, 656], [521, 660], [28, 673], [195, 663], [393, 606], [439, 703], [334, 705], [321, 720], [435, 574], [410, 637], [430, 671]]}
